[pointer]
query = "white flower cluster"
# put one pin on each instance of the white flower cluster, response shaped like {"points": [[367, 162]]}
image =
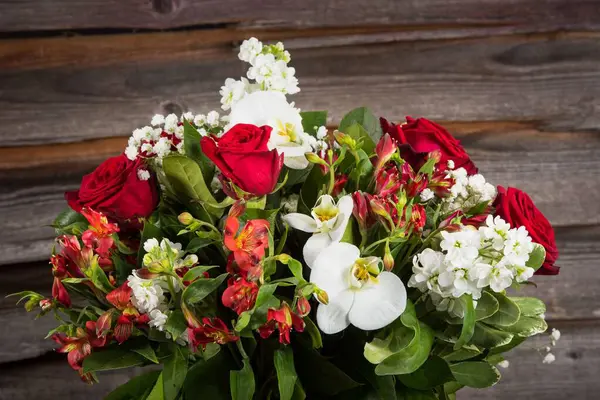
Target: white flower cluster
{"points": [[492, 256], [148, 295], [467, 191], [268, 68], [165, 135]]}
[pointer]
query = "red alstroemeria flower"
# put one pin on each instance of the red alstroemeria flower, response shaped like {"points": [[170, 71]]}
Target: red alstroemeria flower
{"points": [[78, 258], [418, 217], [249, 245], [303, 306], [59, 270], [387, 182], [386, 147], [212, 330], [338, 185], [240, 295], [80, 346], [361, 210], [99, 235], [284, 320], [129, 316]]}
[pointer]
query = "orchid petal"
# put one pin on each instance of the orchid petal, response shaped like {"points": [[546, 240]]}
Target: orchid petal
{"points": [[330, 270], [314, 246], [294, 162], [333, 317], [378, 304], [345, 205], [301, 222]]}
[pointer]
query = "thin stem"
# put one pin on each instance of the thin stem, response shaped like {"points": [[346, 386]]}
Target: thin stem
{"points": [[374, 245]]}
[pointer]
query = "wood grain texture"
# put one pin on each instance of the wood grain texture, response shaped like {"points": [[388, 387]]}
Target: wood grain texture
{"points": [[573, 295], [573, 375], [550, 81], [28, 15]]}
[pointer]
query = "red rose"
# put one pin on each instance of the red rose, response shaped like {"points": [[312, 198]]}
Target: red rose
{"points": [[517, 208], [419, 136], [115, 190], [243, 157]]}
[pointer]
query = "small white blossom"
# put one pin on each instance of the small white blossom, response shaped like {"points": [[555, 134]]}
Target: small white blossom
{"points": [[158, 119], [143, 175], [158, 319], [249, 49], [131, 152], [162, 147], [462, 247], [171, 122], [200, 119], [427, 267], [232, 92], [503, 364], [450, 164], [549, 359], [147, 294], [212, 118], [151, 244], [426, 195], [322, 132], [290, 203], [495, 231], [518, 246], [188, 116]]}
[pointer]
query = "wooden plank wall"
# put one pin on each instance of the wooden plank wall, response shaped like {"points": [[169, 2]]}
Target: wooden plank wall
{"points": [[517, 81]]}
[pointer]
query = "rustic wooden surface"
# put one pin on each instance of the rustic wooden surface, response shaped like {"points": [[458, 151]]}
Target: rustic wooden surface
{"points": [[518, 82]]}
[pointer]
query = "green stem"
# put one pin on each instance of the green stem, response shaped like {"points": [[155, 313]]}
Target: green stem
{"points": [[374, 245]]}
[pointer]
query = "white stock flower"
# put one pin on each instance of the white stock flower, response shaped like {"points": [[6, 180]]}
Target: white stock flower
{"points": [[497, 277], [171, 122], [158, 319], [427, 267], [232, 92], [518, 246], [212, 118], [426, 195], [200, 119], [321, 132], [328, 223], [249, 49], [495, 231], [131, 152], [147, 294], [462, 247], [359, 292], [467, 191], [272, 109], [151, 244]]}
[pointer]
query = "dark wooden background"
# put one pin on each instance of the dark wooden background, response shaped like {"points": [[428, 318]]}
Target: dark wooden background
{"points": [[518, 82]]}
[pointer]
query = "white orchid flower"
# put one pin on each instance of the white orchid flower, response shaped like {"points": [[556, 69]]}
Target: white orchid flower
{"points": [[359, 291], [272, 109], [327, 224]]}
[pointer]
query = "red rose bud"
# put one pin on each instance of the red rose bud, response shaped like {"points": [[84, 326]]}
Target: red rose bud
{"points": [[243, 156], [517, 208], [385, 150], [303, 306], [240, 295], [115, 190]]}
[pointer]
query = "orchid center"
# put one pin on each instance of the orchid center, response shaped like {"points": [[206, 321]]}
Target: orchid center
{"points": [[364, 270], [325, 213]]}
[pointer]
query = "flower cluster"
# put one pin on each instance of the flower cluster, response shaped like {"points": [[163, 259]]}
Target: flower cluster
{"points": [[468, 191]]}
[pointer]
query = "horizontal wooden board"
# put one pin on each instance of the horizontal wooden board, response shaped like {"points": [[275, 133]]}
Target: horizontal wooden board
{"points": [[549, 81], [572, 295], [573, 375], [31, 15]]}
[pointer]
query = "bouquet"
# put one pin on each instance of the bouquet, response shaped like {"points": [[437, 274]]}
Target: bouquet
{"points": [[262, 255]]}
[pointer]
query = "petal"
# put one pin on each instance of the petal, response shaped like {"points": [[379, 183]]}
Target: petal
{"points": [[295, 162], [314, 246], [345, 206], [378, 304], [333, 317], [332, 267], [301, 221]]}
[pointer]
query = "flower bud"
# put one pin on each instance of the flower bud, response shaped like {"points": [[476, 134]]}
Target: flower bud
{"points": [[185, 218], [388, 260], [284, 258], [46, 304], [303, 306], [386, 148], [321, 296], [344, 139], [315, 159]]}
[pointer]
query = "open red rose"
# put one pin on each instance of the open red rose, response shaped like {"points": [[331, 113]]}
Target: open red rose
{"points": [[420, 136], [243, 157], [517, 208], [116, 190]]}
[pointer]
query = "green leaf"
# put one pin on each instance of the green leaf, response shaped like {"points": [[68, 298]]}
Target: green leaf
{"points": [[113, 358], [464, 353], [191, 145], [158, 391], [198, 272], [475, 374], [70, 222], [98, 276], [528, 326], [434, 372], [135, 388], [413, 394], [312, 120], [175, 324], [286, 372], [536, 257], [487, 306], [209, 379], [201, 288], [364, 117], [313, 332], [198, 243], [122, 268], [144, 349], [516, 340], [411, 357], [468, 322], [185, 176], [452, 387], [508, 311], [150, 231], [174, 372], [488, 337], [529, 306], [311, 188], [358, 133], [242, 382], [265, 293]]}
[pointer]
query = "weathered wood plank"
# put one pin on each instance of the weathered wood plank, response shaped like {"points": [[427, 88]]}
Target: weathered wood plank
{"points": [[31, 15], [573, 295], [573, 375], [552, 82]]}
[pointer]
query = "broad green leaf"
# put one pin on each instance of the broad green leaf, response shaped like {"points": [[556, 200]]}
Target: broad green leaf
{"points": [[150, 231], [488, 337], [411, 357], [508, 312], [452, 387], [98, 276], [536, 257], [405, 393], [123, 268], [286, 372], [464, 353], [209, 379], [113, 358], [299, 393], [135, 388], [358, 133], [475, 374], [366, 119], [143, 348], [516, 340], [198, 290], [158, 391], [174, 372], [487, 306], [311, 189], [70, 222], [191, 145], [242, 382], [198, 272], [198, 243], [468, 322], [314, 333], [434, 372], [186, 178], [175, 324], [312, 120], [529, 306], [528, 326]]}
